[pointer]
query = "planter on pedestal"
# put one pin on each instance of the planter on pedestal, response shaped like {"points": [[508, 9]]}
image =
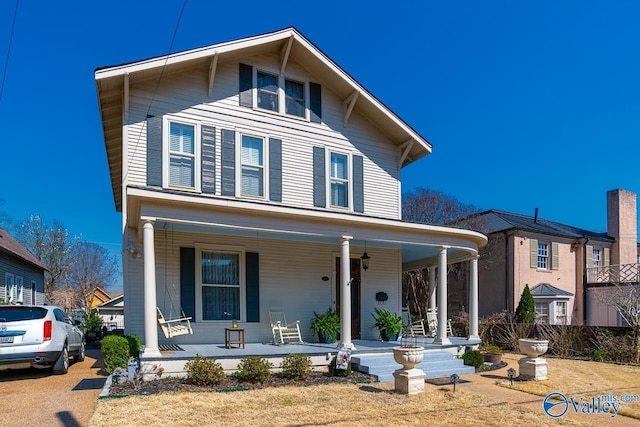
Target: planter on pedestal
{"points": [[533, 367], [408, 379]]}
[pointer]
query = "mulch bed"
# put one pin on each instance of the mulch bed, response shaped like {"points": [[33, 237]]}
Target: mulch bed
{"points": [[230, 383]]}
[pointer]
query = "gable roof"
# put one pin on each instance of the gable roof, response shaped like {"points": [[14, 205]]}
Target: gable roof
{"points": [[546, 290], [494, 221], [110, 87], [11, 246]]}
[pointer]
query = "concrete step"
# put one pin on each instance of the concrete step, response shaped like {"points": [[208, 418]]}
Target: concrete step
{"points": [[435, 364]]}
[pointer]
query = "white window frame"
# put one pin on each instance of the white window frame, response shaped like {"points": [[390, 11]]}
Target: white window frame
{"points": [[349, 157], [281, 93], [265, 164], [544, 260], [596, 257], [557, 316], [19, 292], [166, 153], [539, 315], [240, 250], [9, 282]]}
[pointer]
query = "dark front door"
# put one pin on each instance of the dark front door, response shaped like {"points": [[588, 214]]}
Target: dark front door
{"points": [[355, 295]]}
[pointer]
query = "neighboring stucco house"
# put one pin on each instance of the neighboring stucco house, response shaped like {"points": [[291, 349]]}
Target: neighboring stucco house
{"points": [[256, 173], [22, 272], [565, 267]]}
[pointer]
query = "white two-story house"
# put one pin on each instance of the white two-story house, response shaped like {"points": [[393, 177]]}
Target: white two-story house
{"points": [[257, 173]]}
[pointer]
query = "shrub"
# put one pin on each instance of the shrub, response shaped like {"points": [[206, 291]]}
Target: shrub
{"points": [[134, 345], [526, 311], [334, 372], [203, 371], [254, 369], [93, 321], [600, 355], [115, 352], [296, 367], [473, 358]]}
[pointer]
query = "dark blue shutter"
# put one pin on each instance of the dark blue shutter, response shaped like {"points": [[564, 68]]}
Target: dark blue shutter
{"points": [[154, 151], [228, 162], [188, 282], [252, 277], [208, 159], [358, 184], [315, 102], [275, 170], [246, 86], [319, 180]]}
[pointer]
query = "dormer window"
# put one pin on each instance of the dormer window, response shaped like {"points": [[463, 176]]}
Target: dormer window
{"points": [[294, 98], [267, 88]]}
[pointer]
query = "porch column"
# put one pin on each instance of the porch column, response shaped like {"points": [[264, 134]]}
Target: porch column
{"points": [[150, 304], [473, 300], [441, 334], [345, 294], [432, 288]]}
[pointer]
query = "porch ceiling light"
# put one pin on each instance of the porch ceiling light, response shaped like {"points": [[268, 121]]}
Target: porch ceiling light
{"points": [[365, 258]]}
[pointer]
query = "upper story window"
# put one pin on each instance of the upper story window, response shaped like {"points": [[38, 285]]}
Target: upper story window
{"points": [[543, 256], [182, 155], [267, 89], [596, 257], [294, 98], [252, 166], [339, 180]]}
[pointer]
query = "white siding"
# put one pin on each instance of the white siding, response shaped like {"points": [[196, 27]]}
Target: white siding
{"points": [[185, 95], [291, 274]]}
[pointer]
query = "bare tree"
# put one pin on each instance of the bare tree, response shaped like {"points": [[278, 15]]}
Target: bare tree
{"points": [[625, 297], [5, 219], [52, 245], [434, 207], [92, 267]]}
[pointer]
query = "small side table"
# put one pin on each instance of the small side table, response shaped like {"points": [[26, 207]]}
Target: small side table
{"points": [[239, 337]]}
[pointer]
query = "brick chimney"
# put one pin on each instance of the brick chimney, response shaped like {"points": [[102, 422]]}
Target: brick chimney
{"points": [[622, 226]]}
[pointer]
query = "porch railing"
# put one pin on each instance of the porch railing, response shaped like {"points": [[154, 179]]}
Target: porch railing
{"points": [[621, 273]]}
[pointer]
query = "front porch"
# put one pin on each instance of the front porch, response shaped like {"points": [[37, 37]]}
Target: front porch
{"points": [[173, 357]]}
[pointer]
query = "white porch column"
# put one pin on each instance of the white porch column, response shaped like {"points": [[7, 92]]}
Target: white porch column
{"points": [[150, 304], [473, 299], [441, 334], [345, 294], [432, 288]]}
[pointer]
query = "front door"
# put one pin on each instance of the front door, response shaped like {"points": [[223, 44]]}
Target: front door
{"points": [[355, 295]]}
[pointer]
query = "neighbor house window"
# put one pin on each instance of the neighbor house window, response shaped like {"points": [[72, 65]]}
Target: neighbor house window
{"points": [[9, 284], [339, 180], [267, 91], [561, 312], [19, 290], [33, 292], [596, 257], [220, 275], [181, 155], [542, 312], [252, 167], [543, 256], [294, 98]]}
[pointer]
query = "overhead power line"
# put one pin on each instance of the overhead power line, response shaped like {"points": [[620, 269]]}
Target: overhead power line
{"points": [[6, 62]]}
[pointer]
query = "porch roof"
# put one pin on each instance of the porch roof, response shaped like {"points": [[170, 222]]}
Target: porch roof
{"points": [[419, 243]]}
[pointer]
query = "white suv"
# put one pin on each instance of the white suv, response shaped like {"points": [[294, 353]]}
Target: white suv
{"points": [[41, 336]]}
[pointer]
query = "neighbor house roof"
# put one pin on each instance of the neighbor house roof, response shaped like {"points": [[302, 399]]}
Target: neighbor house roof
{"points": [[546, 290], [11, 246], [493, 221], [110, 83]]}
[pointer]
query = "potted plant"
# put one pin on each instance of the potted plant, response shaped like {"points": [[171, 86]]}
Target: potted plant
{"points": [[491, 353], [389, 324], [327, 325]]}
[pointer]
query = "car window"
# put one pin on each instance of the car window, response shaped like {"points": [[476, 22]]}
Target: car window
{"points": [[60, 316], [18, 313]]}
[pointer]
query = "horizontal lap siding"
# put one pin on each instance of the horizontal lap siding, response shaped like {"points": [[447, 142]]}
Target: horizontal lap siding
{"points": [[290, 276], [185, 94]]}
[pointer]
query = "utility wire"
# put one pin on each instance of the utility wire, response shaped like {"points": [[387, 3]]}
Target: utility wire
{"points": [[6, 62], [175, 31]]}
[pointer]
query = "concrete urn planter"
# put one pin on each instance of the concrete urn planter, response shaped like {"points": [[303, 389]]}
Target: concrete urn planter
{"points": [[408, 357], [532, 347]]}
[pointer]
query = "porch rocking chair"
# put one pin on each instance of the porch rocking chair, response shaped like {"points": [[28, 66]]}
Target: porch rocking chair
{"points": [[174, 327], [283, 332], [413, 328], [432, 321]]}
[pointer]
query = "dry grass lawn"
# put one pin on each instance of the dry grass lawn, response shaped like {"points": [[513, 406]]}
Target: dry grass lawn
{"points": [[376, 404]]}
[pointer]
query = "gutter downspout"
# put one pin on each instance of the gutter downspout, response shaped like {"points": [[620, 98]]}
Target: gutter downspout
{"points": [[584, 281]]}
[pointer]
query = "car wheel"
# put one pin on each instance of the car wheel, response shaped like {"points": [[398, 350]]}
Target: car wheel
{"points": [[62, 364], [79, 357]]}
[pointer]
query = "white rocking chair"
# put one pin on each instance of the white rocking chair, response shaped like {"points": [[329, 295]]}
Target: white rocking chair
{"points": [[413, 328], [432, 321], [174, 327], [283, 332]]}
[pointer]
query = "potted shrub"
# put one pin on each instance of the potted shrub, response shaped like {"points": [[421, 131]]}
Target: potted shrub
{"points": [[389, 324], [326, 325], [491, 353]]}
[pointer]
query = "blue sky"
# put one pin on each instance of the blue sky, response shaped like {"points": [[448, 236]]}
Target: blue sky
{"points": [[527, 104]]}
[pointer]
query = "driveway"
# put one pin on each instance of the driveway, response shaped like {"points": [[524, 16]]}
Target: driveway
{"points": [[32, 397]]}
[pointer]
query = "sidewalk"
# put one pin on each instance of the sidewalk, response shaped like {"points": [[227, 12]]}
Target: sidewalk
{"points": [[485, 384]]}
